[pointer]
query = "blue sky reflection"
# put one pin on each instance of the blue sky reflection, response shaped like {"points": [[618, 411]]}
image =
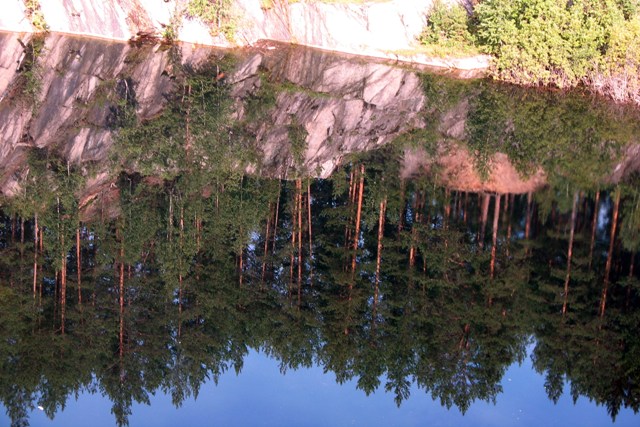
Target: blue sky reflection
{"points": [[261, 396]]}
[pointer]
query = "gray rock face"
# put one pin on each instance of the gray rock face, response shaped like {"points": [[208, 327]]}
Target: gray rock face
{"points": [[10, 56], [321, 107], [344, 106], [382, 29], [71, 111]]}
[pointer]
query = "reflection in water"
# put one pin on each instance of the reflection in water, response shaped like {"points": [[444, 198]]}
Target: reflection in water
{"points": [[365, 274], [160, 262]]}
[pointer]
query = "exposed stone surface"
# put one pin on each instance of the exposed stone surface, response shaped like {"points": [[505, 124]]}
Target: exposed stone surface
{"points": [[379, 29], [630, 164], [337, 103], [10, 56], [72, 113], [99, 19], [365, 105], [13, 17]]}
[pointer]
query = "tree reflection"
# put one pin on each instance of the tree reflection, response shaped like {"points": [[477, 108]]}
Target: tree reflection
{"points": [[178, 286], [172, 272]]}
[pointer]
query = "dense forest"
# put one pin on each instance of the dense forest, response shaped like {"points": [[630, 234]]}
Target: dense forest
{"points": [[369, 276]]}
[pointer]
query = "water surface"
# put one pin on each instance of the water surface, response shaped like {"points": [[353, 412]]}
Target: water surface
{"points": [[402, 246]]}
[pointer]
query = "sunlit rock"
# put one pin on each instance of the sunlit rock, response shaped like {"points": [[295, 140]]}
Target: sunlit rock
{"points": [[13, 17]]}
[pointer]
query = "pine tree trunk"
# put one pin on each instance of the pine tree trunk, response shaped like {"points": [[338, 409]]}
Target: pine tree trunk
{"points": [[79, 265], [494, 236], [121, 303], [356, 236], [607, 268], [594, 227], [310, 233], [266, 246], [570, 252], [381, 217], [484, 214], [299, 209], [527, 227], [35, 256]]}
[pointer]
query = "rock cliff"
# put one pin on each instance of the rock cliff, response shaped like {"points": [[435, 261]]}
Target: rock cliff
{"points": [[342, 104], [385, 29]]}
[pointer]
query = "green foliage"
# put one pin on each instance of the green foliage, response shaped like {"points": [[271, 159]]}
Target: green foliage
{"points": [[170, 31], [35, 15], [448, 26], [298, 140], [169, 34], [574, 139], [617, 72], [216, 13], [194, 131], [447, 23], [258, 104], [29, 82], [441, 326], [543, 42]]}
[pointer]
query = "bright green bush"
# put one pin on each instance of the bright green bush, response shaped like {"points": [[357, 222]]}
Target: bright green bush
{"points": [[447, 24], [617, 74], [215, 13], [448, 30], [35, 15], [546, 41]]}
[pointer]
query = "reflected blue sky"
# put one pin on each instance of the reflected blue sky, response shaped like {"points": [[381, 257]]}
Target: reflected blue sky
{"points": [[262, 396]]}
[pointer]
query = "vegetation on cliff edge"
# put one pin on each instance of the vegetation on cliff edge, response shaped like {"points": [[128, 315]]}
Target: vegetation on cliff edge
{"points": [[549, 42]]}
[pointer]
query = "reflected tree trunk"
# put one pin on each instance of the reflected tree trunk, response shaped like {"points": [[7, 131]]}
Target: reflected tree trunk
{"points": [[447, 207], [35, 255], [356, 236], [63, 271], [612, 238], [465, 208], [381, 217], [170, 231], [632, 262], [494, 236], [527, 226], [266, 245], [121, 302], [188, 142], [484, 214], [594, 227], [21, 236], [350, 205], [403, 202], [310, 233], [294, 235], [275, 221], [181, 269], [570, 252], [299, 209], [79, 265], [417, 219], [509, 225], [63, 292]]}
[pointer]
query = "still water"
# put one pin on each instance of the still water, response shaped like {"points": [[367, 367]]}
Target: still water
{"points": [[281, 236], [286, 400]]}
